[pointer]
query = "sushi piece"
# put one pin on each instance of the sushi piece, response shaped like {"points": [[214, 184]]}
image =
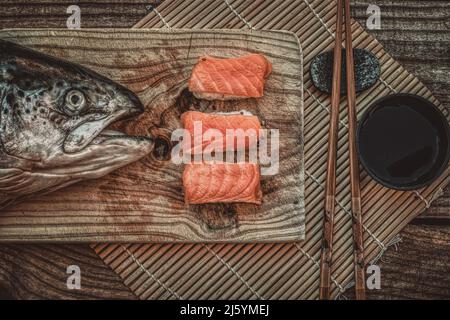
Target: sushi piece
{"points": [[244, 126], [222, 182], [228, 79]]}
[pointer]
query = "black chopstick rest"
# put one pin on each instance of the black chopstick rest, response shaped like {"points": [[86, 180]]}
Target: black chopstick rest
{"points": [[367, 70]]}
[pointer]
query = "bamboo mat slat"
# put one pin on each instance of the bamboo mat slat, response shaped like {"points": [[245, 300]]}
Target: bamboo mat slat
{"points": [[289, 270]]}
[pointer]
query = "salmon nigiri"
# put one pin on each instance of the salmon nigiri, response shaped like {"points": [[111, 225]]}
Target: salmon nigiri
{"points": [[232, 78], [222, 182], [246, 128]]}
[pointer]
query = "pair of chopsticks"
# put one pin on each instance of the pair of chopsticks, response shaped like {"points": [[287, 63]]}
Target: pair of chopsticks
{"points": [[330, 187]]}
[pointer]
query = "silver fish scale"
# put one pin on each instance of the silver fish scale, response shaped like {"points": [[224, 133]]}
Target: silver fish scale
{"points": [[52, 116]]}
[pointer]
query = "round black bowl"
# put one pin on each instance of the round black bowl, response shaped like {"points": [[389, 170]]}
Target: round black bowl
{"points": [[403, 141]]}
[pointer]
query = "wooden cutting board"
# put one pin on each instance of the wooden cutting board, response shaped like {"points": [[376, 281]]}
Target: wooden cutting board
{"points": [[143, 202]]}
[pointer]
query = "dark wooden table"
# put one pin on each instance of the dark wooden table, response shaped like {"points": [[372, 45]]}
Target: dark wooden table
{"points": [[416, 33]]}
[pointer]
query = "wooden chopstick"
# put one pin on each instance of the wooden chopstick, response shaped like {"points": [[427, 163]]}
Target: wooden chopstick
{"points": [[358, 250], [330, 185]]}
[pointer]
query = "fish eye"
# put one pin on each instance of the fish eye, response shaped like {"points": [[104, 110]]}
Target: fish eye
{"points": [[75, 102]]}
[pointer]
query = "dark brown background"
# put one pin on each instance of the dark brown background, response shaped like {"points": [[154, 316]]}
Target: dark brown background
{"points": [[416, 33]]}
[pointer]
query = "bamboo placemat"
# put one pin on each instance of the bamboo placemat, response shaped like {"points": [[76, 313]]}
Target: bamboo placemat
{"points": [[289, 270]]}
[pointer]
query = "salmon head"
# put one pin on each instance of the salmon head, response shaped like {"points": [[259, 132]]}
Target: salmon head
{"points": [[53, 123]]}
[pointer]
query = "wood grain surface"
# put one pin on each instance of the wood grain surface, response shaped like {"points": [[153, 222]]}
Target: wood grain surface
{"points": [[53, 14], [406, 26], [40, 272], [418, 268], [144, 201]]}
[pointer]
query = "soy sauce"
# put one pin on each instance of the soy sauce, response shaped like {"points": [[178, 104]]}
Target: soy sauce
{"points": [[401, 143]]}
